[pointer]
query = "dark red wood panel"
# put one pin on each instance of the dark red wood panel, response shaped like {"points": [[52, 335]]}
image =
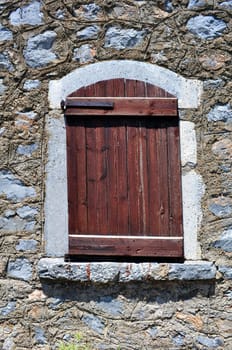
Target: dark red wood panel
{"points": [[132, 106], [124, 172], [122, 246]]}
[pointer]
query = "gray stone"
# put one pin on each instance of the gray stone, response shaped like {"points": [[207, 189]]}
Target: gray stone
{"points": [[111, 306], [227, 5], [21, 269], [29, 14], [203, 271], [27, 150], [178, 340], [105, 272], [26, 244], [206, 27], [9, 213], [84, 54], [10, 307], [40, 336], [123, 38], [210, 342], [5, 63], [26, 212], [213, 84], [91, 11], [228, 294], [60, 14], [31, 84], [2, 87], [94, 322], [199, 4], [55, 302], [2, 130], [221, 207], [220, 113], [24, 120], [225, 241], [153, 331], [8, 344], [168, 6], [88, 33], [14, 189], [5, 34], [226, 271], [38, 52], [15, 224]]}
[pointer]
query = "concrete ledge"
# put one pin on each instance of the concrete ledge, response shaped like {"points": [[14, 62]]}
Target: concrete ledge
{"points": [[105, 272]]}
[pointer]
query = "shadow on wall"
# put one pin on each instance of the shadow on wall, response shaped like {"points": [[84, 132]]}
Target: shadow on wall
{"points": [[160, 292]]}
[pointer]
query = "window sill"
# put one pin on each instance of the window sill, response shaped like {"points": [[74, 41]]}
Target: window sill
{"points": [[105, 272]]}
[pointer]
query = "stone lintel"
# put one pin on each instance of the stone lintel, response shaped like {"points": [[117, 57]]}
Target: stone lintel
{"points": [[106, 272]]}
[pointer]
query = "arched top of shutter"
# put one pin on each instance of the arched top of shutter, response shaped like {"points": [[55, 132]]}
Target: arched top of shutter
{"points": [[120, 87], [121, 97]]}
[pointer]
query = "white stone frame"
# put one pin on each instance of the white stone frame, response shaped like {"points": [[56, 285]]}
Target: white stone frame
{"points": [[188, 92]]}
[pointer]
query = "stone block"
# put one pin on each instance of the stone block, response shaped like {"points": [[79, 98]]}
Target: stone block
{"points": [[5, 34], [200, 4], [210, 342], [15, 224], [38, 52], [89, 32], [94, 322], [2, 87], [201, 271], [29, 14], [226, 5], [31, 84], [20, 269], [206, 27], [27, 150], [225, 241], [105, 272], [27, 212], [40, 335], [226, 271], [13, 188], [221, 206], [5, 63], [84, 54], [119, 38], [89, 11], [220, 113], [26, 245], [6, 310]]}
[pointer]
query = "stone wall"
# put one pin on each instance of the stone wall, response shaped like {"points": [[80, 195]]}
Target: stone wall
{"points": [[44, 40]]}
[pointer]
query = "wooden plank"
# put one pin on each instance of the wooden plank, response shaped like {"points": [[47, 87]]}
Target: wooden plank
{"points": [[133, 166], [162, 151], [71, 174], [174, 171], [101, 168], [76, 164], [126, 246], [118, 193], [122, 176], [125, 106]]}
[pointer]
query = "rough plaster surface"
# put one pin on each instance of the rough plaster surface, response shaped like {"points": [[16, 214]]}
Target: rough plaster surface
{"points": [[188, 91]]}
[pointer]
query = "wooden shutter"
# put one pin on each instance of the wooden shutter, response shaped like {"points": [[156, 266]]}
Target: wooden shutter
{"points": [[124, 189]]}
